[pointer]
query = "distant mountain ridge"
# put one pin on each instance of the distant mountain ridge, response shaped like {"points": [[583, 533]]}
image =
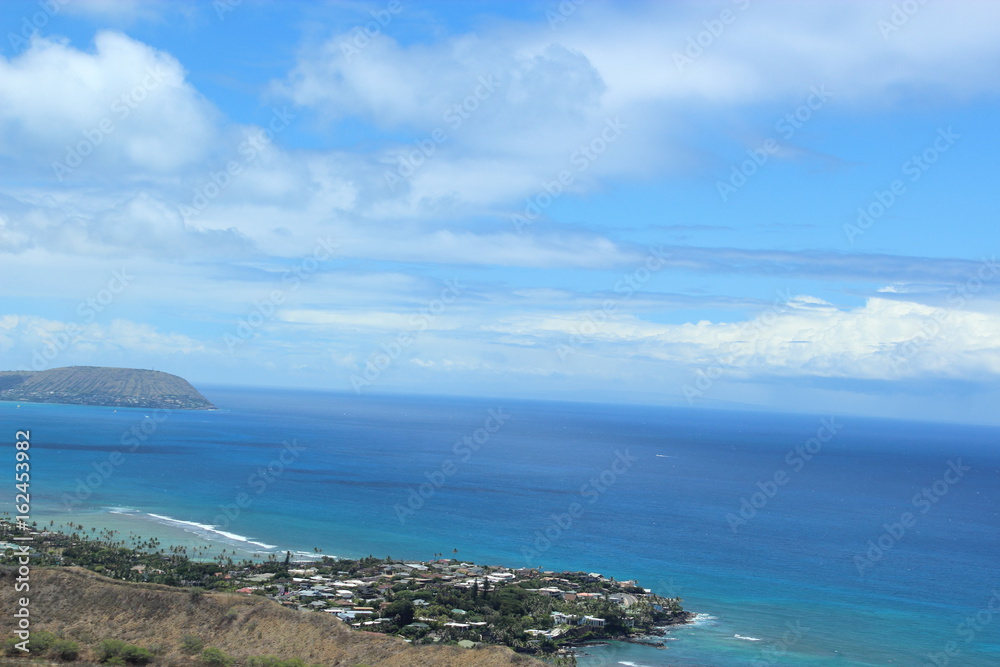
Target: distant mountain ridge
{"points": [[97, 385]]}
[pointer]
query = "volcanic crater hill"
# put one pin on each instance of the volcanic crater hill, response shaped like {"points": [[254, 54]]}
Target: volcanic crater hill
{"points": [[95, 385], [85, 607]]}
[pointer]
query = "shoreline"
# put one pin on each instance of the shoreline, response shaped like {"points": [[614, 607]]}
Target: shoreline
{"points": [[645, 639], [214, 544], [206, 541], [585, 609], [173, 533]]}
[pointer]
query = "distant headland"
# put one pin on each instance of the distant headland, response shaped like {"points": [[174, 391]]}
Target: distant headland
{"points": [[96, 385]]}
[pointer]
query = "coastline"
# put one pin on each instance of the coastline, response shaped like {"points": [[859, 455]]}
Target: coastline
{"points": [[207, 541], [567, 609], [647, 638], [213, 544], [623, 539]]}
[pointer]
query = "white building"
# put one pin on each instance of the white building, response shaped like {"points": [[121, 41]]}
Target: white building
{"points": [[592, 622]]}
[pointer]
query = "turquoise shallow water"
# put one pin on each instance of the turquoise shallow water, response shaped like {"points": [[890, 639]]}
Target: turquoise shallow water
{"points": [[650, 493]]}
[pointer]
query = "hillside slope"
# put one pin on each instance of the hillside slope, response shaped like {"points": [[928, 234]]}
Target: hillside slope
{"points": [[83, 606], [94, 385]]}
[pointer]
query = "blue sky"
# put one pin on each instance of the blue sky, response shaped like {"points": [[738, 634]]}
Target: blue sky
{"points": [[780, 205]]}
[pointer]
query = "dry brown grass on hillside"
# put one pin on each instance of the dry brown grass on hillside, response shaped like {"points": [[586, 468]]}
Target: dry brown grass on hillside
{"points": [[77, 604]]}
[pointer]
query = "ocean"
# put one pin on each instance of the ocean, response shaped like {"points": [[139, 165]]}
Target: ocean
{"points": [[798, 539]]}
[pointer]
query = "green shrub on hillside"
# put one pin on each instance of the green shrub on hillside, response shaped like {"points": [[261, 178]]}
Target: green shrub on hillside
{"points": [[216, 658], [191, 644], [110, 648], [40, 642], [65, 650], [43, 641], [10, 648], [137, 655], [117, 652]]}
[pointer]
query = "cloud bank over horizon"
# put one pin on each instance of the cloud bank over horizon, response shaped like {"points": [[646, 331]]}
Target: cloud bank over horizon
{"points": [[682, 203]]}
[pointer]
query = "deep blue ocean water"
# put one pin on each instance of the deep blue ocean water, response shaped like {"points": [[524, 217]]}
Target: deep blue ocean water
{"points": [[640, 492]]}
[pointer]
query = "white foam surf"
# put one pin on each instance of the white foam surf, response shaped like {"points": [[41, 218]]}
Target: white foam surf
{"points": [[212, 530]]}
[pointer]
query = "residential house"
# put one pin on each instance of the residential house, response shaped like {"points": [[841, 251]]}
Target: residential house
{"points": [[592, 622]]}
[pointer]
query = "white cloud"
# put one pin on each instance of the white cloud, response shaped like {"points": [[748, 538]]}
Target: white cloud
{"points": [[122, 107], [498, 117], [444, 83], [884, 339], [608, 59], [769, 50], [35, 343], [528, 98], [542, 94], [552, 91], [501, 249]]}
